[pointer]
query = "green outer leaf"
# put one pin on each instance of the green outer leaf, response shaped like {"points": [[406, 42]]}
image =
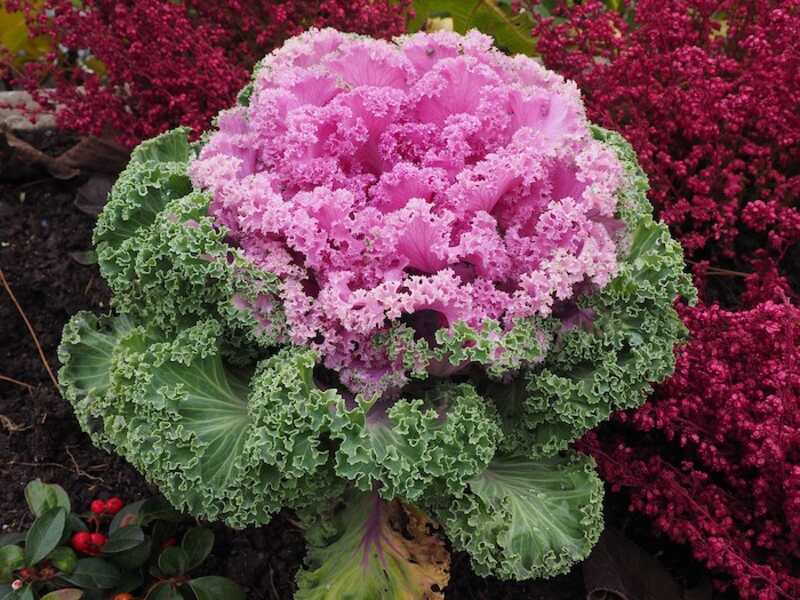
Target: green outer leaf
{"points": [[123, 539], [44, 535], [166, 259], [525, 518], [611, 364], [512, 32], [170, 147], [94, 573], [41, 497], [65, 594], [413, 448], [215, 588], [197, 544], [173, 561]]}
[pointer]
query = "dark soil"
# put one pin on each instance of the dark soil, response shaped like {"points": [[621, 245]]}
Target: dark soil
{"points": [[39, 437]]}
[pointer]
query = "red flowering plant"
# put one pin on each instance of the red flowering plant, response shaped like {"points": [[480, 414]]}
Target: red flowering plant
{"points": [[707, 92], [157, 64], [714, 457]]}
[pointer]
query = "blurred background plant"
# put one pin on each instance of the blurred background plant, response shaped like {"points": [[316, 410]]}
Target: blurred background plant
{"points": [[17, 45]]}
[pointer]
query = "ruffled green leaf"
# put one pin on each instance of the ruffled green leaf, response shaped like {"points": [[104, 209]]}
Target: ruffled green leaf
{"points": [[217, 443], [415, 445], [362, 553], [524, 518], [611, 364], [499, 352], [165, 259]]}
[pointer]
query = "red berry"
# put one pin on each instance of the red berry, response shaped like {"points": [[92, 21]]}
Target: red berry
{"points": [[81, 541], [98, 540], [168, 542], [26, 573], [98, 507], [113, 505]]}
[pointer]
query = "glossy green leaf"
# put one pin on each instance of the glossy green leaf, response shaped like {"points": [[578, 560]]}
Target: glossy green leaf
{"points": [[197, 544], [158, 509], [44, 534], [75, 523], [42, 497], [166, 592], [26, 593], [129, 581], [7, 539], [123, 539], [65, 594], [94, 573], [215, 588], [130, 514], [173, 561], [135, 557]]}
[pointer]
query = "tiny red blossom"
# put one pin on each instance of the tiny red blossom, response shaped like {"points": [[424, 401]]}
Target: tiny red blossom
{"points": [[714, 457]]}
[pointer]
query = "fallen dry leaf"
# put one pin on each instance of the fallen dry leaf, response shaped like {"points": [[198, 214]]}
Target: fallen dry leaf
{"points": [[618, 569]]}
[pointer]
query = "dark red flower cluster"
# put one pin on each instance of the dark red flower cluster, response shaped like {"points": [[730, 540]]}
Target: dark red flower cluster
{"points": [[168, 63], [708, 93], [714, 457]]}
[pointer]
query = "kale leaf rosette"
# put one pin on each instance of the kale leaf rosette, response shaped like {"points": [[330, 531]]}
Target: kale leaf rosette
{"points": [[398, 275]]}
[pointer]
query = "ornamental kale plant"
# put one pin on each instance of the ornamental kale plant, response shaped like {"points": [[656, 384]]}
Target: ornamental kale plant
{"points": [[398, 277]]}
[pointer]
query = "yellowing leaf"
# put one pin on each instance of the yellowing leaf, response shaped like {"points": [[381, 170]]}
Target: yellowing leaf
{"points": [[16, 45], [378, 549]]}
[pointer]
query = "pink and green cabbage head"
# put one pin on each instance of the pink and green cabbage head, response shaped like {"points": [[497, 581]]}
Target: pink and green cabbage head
{"points": [[427, 181]]}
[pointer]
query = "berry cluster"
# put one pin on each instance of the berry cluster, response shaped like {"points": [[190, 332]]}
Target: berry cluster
{"points": [[106, 507], [91, 544]]}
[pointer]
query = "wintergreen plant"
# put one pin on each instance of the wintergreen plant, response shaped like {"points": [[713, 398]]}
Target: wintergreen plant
{"points": [[111, 552]]}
